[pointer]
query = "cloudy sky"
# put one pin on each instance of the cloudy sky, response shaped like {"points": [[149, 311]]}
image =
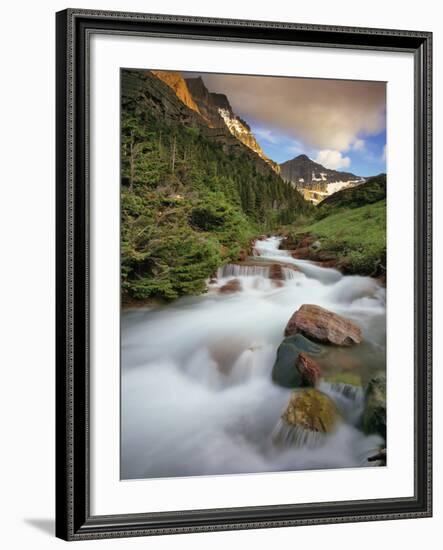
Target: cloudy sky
{"points": [[340, 124]]}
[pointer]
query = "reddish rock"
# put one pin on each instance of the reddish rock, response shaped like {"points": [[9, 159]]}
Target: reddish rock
{"points": [[242, 255], [251, 247], [306, 241], [309, 370], [276, 272], [302, 253], [327, 263], [233, 285], [324, 326]]}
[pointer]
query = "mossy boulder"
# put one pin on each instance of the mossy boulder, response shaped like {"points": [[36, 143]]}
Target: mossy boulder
{"points": [[311, 410], [373, 420], [292, 371]]}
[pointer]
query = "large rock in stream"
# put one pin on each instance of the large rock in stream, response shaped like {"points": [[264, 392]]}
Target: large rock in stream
{"points": [[231, 286], [308, 417], [324, 326], [295, 365]]}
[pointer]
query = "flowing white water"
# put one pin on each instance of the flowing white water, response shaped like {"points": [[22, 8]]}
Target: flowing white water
{"points": [[197, 395]]}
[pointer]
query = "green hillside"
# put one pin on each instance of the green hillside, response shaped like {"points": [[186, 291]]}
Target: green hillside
{"points": [[372, 191], [356, 237], [188, 204]]}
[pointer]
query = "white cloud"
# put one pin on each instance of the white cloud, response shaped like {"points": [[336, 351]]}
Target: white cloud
{"points": [[358, 145], [323, 114], [332, 159], [383, 156]]}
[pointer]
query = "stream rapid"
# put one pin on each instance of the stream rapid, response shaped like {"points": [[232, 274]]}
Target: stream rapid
{"points": [[197, 396]]}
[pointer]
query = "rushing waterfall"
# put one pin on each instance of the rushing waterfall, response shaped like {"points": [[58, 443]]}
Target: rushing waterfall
{"points": [[295, 436], [197, 397], [236, 270]]}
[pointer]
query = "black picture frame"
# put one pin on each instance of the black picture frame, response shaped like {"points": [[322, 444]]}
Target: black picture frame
{"points": [[74, 521]]}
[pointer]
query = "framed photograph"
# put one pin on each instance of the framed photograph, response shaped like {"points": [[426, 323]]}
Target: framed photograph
{"points": [[243, 274]]}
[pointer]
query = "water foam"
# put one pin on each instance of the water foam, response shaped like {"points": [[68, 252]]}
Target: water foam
{"points": [[197, 394]]}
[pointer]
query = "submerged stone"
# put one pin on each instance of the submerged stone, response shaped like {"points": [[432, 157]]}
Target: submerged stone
{"points": [[231, 286], [378, 459], [373, 420], [276, 272], [344, 377]]}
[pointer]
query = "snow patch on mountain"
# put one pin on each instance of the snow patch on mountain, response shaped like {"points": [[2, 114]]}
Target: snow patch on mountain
{"points": [[338, 185]]}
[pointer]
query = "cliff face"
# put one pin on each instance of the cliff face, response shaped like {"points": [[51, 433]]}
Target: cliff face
{"points": [[154, 93], [216, 108], [242, 132], [178, 84], [192, 196], [206, 104]]}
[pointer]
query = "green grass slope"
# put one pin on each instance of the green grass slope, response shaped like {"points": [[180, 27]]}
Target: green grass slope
{"points": [[373, 190], [356, 237]]}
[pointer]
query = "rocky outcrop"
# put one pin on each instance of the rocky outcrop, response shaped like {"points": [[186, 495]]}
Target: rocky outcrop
{"points": [[324, 326], [308, 247], [373, 420], [231, 286], [242, 131], [303, 253], [217, 110], [295, 365], [178, 84], [205, 101], [148, 93], [311, 410]]}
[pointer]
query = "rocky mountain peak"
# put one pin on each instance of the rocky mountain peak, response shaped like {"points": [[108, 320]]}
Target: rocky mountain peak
{"points": [[315, 181], [222, 102]]}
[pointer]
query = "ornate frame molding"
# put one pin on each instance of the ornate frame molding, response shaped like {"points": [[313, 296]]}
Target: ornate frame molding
{"points": [[74, 28]]}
